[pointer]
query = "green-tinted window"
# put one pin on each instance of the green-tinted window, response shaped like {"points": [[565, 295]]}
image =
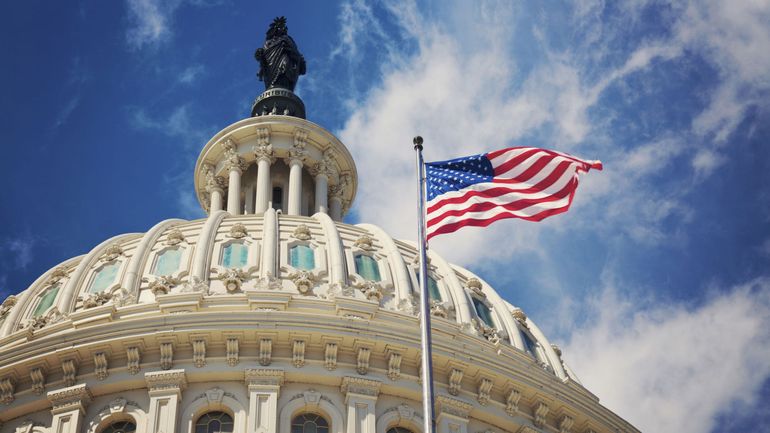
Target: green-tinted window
{"points": [[104, 277], [367, 268], [46, 301], [483, 312], [235, 255], [302, 257], [168, 262], [433, 291], [214, 422]]}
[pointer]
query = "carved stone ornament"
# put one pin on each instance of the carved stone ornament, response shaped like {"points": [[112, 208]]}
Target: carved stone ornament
{"points": [[199, 352], [325, 167], [165, 380], [264, 376], [265, 351], [91, 300], [359, 385], [556, 349], [37, 376], [364, 242], [302, 232], [337, 289], [330, 356], [371, 289], [338, 190], [453, 406], [163, 284], [362, 360], [298, 353], [6, 306], [174, 237], [122, 297], [512, 402], [7, 390], [519, 316], [268, 282], [213, 182], [405, 411], [112, 252], [455, 379], [408, 306], [57, 274], [440, 309], [304, 281], [475, 286], [118, 405], [238, 231], [491, 334], [565, 424], [40, 322], [540, 411], [394, 366], [484, 388], [134, 357], [233, 279]]}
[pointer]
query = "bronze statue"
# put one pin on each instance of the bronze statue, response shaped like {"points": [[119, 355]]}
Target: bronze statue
{"points": [[280, 62]]}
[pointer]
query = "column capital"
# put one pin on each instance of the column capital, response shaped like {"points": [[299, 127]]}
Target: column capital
{"points": [[264, 152], [169, 380], [296, 156], [362, 387], [453, 406], [213, 182], [257, 377], [69, 399], [338, 190]]}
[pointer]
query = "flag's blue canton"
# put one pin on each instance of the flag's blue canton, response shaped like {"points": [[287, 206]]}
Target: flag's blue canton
{"points": [[456, 174]]}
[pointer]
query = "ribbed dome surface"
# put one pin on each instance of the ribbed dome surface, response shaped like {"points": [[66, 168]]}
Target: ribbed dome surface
{"points": [[310, 259]]}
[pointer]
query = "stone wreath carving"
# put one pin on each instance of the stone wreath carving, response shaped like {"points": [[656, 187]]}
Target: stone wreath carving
{"points": [[304, 281], [302, 232], [162, 285], [233, 279], [92, 300]]}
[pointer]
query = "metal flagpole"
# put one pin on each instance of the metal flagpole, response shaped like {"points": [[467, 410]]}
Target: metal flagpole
{"points": [[427, 357]]}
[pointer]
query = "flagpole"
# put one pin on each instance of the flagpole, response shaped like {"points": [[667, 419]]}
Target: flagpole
{"points": [[429, 425]]}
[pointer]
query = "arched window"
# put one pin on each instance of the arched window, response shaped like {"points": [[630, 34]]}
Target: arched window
{"points": [[398, 430], [120, 427], [483, 312], [309, 423], [214, 422], [46, 301], [235, 255], [302, 257], [433, 291], [104, 277], [367, 268], [168, 262]]}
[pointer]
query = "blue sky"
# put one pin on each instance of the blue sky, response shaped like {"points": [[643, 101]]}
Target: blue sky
{"points": [[656, 283]]}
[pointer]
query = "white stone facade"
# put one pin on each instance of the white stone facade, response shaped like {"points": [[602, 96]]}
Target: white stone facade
{"points": [[264, 314]]}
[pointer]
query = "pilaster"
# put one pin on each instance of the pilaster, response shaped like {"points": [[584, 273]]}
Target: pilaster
{"points": [[264, 387], [68, 408], [165, 390], [360, 398]]}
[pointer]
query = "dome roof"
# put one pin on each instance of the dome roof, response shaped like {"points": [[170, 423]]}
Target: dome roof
{"points": [[307, 260]]}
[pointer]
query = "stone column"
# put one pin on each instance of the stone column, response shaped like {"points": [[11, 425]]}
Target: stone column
{"points": [[452, 415], [264, 387], [249, 196], [336, 193], [234, 189], [263, 152], [294, 161], [165, 389], [321, 192], [360, 397], [68, 408], [214, 186]]}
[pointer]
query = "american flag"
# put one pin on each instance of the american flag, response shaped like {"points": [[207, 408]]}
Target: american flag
{"points": [[518, 182]]}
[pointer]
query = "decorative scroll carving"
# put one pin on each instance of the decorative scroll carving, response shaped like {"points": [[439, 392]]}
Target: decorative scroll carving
{"points": [[37, 376], [475, 286], [362, 360], [265, 351], [330, 356], [304, 280], [92, 300], [70, 398], [163, 284], [364, 242], [100, 365], [326, 166], [233, 279], [302, 232], [298, 353], [174, 237], [338, 190], [512, 402], [263, 150], [565, 424], [69, 368], [540, 411], [394, 366], [6, 306], [238, 231], [213, 182], [134, 357], [233, 161], [233, 351], [455, 378], [484, 387], [371, 289], [359, 385], [199, 353], [111, 253], [7, 389], [166, 355]]}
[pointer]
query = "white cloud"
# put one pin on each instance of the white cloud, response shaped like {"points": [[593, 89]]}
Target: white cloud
{"points": [[191, 74], [20, 250], [686, 365], [150, 22]]}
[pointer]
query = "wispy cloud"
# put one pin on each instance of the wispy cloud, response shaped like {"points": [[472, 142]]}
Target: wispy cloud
{"points": [[191, 74], [687, 365], [149, 22]]}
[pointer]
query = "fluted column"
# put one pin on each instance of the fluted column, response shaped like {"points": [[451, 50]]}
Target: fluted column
{"points": [[264, 387], [68, 408], [165, 389], [322, 171], [295, 184], [215, 188], [234, 190], [336, 193], [360, 397], [263, 153]]}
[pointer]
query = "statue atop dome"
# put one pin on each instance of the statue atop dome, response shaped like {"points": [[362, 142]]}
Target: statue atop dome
{"points": [[280, 62], [280, 65]]}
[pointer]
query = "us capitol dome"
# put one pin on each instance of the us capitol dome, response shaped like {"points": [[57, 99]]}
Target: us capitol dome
{"points": [[271, 315]]}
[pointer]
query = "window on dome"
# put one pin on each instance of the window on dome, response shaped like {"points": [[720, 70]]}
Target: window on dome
{"points": [[302, 257], [433, 292], [214, 422], [367, 268], [46, 301], [277, 198], [309, 423], [168, 262], [235, 255], [120, 427], [104, 278], [529, 344], [483, 312], [398, 430]]}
